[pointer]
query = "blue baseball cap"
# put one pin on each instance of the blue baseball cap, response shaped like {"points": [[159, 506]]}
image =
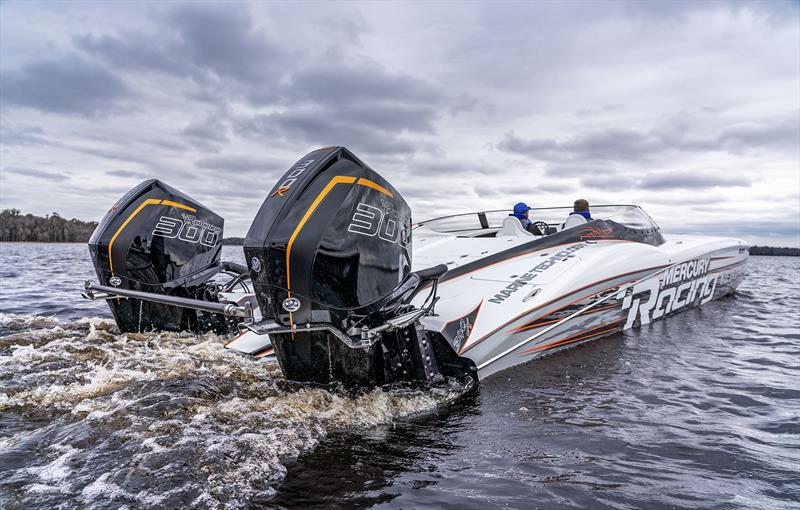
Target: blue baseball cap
{"points": [[521, 209]]}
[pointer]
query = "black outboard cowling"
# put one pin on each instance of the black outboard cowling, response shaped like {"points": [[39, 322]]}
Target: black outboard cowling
{"points": [[332, 232], [329, 255], [156, 239]]}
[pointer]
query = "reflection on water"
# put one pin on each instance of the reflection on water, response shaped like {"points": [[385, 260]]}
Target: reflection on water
{"points": [[699, 411]]}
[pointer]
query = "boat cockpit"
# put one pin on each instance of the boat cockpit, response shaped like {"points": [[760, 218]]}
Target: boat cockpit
{"points": [[499, 223]]}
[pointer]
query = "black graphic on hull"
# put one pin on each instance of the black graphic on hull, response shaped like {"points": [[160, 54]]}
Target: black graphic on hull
{"points": [[457, 331]]}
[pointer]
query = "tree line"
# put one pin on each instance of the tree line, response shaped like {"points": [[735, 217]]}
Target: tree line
{"points": [[15, 226], [18, 227], [771, 250]]}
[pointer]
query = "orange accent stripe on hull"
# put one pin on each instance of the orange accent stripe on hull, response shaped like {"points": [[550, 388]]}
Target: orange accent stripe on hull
{"points": [[578, 339], [149, 201], [234, 339], [727, 267], [534, 325], [265, 353], [487, 335], [574, 338]]}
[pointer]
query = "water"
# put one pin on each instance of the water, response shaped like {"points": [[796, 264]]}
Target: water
{"points": [[699, 411]]}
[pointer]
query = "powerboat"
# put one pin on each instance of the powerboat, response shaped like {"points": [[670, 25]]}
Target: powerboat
{"points": [[336, 291]]}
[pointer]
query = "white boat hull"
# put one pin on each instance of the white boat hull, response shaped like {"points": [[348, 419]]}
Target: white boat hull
{"points": [[513, 311]]}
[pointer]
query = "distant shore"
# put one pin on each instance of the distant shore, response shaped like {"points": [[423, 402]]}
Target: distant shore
{"points": [[16, 227], [766, 251], [779, 252]]}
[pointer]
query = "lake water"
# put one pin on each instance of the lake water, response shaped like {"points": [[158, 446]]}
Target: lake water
{"points": [[701, 410]]}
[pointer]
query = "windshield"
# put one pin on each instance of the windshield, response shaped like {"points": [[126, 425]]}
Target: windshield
{"points": [[476, 223]]}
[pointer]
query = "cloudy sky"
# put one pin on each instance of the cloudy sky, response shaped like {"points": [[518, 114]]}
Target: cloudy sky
{"points": [[691, 110]]}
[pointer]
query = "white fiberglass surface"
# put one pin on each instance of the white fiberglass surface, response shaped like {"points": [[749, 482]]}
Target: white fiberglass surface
{"points": [[684, 247], [457, 251], [584, 265]]}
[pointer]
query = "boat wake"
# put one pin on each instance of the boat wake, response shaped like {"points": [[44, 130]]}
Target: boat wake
{"points": [[92, 417]]}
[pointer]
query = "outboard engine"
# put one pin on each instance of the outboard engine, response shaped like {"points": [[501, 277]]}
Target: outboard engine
{"points": [[329, 255], [158, 240]]}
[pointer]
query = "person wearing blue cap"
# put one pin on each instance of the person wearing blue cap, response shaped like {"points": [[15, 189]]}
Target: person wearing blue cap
{"points": [[521, 213]]}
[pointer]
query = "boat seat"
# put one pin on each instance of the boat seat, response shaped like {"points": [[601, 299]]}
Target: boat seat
{"points": [[573, 220], [512, 227]]}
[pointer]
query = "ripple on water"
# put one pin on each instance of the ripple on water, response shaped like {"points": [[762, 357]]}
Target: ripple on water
{"points": [[696, 412], [91, 416]]}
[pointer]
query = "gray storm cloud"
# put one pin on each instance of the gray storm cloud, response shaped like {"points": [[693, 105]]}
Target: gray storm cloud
{"points": [[71, 85], [620, 144], [461, 106], [36, 174]]}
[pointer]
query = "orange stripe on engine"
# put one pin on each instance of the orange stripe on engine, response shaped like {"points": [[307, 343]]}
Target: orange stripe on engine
{"points": [[149, 201], [375, 185], [339, 179], [179, 206]]}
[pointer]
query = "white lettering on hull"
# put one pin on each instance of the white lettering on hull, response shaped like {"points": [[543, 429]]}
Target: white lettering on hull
{"points": [[678, 287]]}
